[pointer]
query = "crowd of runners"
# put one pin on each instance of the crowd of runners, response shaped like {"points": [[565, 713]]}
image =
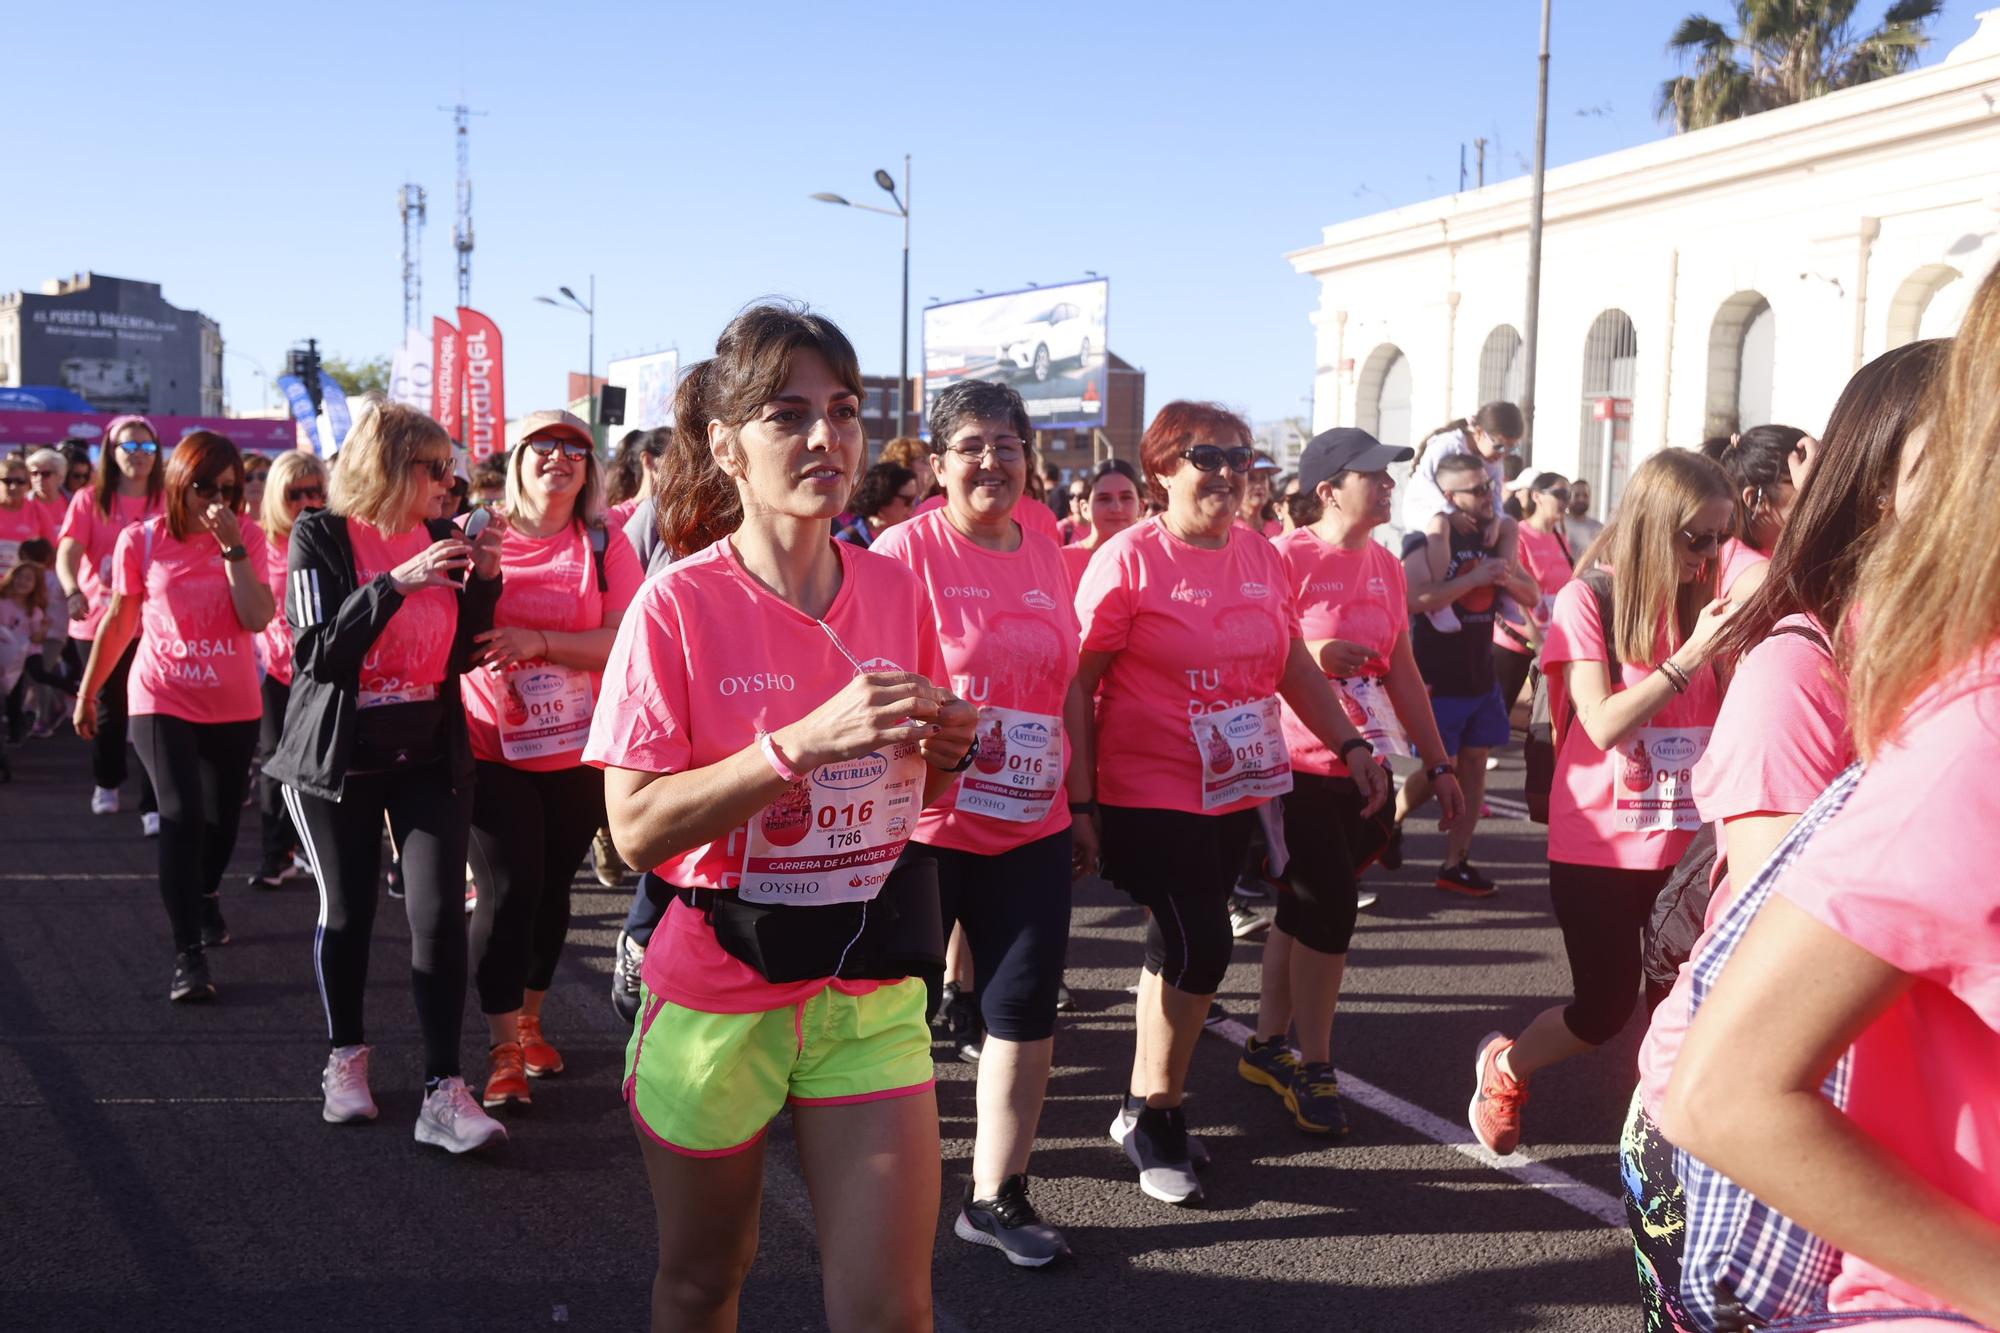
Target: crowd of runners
{"points": [[859, 729]]}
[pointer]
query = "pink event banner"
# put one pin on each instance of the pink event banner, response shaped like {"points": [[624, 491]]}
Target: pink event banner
{"points": [[50, 428]]}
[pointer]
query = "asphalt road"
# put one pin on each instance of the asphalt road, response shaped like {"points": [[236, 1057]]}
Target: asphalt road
{"points": [[167, 1168]]}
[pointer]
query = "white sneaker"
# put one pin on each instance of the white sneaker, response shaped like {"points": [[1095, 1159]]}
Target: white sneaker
{"points": [[104, 801], [345, 1084], [453, 1120], [149, 823], [1366, 899], [1444, 620]]}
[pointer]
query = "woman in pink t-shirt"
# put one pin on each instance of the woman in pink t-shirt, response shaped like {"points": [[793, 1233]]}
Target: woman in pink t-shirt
{"points": [[1621, 807], [127, 489], [189, 587], [1759, 466], [1005, 845], [770, 730], [295, 484], [1190, 627], [21, 519], [1782, 737], [566, 580], [1545, 553], [1353, 612], [1882, 940], [1114, 507]]}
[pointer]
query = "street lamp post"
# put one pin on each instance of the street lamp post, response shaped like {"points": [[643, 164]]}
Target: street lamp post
{"points": [[1531, 330], [901, 210], [590, 355]]}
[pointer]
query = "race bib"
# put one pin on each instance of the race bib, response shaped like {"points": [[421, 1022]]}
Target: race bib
{"points": [[1653, 791], [1017, 766], [544, 710], [1243, 754], [1366, 701], [834, 836]]}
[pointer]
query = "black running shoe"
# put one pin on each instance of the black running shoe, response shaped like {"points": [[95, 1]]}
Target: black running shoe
{"points": [[957, 1023], [1462, 878], [1314, 1099], [191, 979], [1158, 1147], [628, 959], [1009, 1223], [395, 878], [214, 931], [1392, 850], [1064, 1000]]}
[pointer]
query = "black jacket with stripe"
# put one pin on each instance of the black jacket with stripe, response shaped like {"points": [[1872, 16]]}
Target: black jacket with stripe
{"points": [[334, 624]]}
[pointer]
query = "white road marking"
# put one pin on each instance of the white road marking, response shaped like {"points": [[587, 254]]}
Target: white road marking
{"points": [[1586, 1199], [1511, 809]]}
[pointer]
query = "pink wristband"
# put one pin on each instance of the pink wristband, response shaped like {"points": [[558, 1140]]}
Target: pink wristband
{"points": [[776, 760]]}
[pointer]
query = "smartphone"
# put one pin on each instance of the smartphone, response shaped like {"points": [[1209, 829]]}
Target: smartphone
{"points": [[474, 525]]}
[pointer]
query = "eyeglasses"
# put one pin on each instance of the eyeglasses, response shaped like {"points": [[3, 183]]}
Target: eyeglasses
{"points": [[1006, 451], [545, 446], [1211, 457], [1482, 489], [1704, 543], [140, 446], [208, 490], [439, 468], [907, 497], [297, 494]]}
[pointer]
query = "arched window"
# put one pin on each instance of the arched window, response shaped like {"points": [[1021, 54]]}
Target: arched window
{"points": [[1916, 313], [1382, 395], [1610, 376], [1742, 346], [1500, 367]]}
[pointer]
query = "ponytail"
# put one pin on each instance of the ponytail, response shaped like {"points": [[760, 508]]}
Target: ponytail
{"points": [[1495, 418], [697, 504]]}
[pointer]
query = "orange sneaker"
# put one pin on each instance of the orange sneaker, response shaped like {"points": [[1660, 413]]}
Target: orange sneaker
{"points": [[541, 1059], [1497, 1098], [506, 1080]]}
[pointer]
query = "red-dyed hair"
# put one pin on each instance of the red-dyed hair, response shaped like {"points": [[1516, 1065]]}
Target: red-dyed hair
{"points": [[201, 456], [1178, 425]]}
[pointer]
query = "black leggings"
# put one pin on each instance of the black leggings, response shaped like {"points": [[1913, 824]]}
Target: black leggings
{"points": [[1512, 670], [1015, 910], [107, 748], [280, 838], [200, 770], [343, 839], [529, 834], [1603, 912], [1324, 832], [1181, 868]]}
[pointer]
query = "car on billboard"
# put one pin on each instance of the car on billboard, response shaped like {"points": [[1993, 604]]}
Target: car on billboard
{"points": [[1057, 333]]}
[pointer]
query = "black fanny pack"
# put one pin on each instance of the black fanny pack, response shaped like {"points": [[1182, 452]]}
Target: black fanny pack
{"points": [[897, 933], [398, 736]]}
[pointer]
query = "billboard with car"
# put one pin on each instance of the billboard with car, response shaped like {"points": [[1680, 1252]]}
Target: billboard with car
{"points": [[648, 382], [1048, 342]]}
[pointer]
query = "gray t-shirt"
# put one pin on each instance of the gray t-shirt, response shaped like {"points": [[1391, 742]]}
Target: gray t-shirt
{"points": [[643, 531]]}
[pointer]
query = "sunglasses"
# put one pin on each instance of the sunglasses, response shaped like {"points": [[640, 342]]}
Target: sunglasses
{"points": [[140, 446], [1704, 543], [1212, 457], [42, 472], [15, 483], [296, 494], [208, 490], [1483, 488], [574, 450], [80, 476], [439, 468], [1562, 497]]}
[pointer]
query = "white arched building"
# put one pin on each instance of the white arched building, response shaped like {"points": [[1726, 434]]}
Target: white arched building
{"points": [[1723, 278]]}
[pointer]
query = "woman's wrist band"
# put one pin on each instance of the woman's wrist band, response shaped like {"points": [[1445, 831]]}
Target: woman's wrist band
{"points": [[1675, 676], [1345, 746], [777, 761], [1083, 807], [1436, 771]]}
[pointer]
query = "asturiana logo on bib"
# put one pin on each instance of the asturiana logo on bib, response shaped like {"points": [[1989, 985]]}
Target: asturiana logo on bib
{"points": [[1674, 749], [1242, 728], [1183, 592], [851, 774], [1254, 590], [1038, 600], [1029, 735]]}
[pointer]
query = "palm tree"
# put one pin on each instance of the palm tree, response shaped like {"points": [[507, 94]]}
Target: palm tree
{"points": [[1785, 51]]}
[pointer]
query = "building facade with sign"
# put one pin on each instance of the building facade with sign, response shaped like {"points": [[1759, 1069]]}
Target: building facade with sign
{"points": [[1694, 286], [116, 342]]}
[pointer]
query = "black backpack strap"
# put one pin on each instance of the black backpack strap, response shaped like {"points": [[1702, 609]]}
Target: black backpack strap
{"points": [[599, 541], [1805, 632], [1599, 584]]}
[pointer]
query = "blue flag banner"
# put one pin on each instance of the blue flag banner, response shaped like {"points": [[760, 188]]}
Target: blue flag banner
{"points": [[302, 408]]}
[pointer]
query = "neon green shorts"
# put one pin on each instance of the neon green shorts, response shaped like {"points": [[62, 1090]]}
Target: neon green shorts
{"points": [[708, 1085]]}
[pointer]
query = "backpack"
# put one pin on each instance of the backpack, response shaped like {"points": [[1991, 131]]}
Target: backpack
{"points": [[1543, 738], [600, 538], [1682, 905]]}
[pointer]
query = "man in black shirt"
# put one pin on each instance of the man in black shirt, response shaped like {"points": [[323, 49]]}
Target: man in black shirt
{"points": [[1458, 665]]}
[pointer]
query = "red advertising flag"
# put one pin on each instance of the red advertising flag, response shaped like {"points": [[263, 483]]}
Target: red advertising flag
{"points": [[447, 388], [485, 396]]}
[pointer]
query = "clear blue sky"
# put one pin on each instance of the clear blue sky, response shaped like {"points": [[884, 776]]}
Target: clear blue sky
{"points": [[248, 158]]}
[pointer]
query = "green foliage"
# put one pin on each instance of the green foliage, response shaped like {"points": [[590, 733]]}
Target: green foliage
{"points": [[1784, 52], [358, 376]]}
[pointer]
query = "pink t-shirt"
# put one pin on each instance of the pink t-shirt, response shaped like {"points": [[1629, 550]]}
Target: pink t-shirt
{"points": [[1901, 872], [1193, 631], [1010, 635], [98, 536], [54, 510], [1583, 825], [1780, 739], [1737, 560], [408, 659], [1030, 513], [1356, 596], [1075, 560], [615, 515], [195, 659], [1541, 554], [707, 656], [23, 523], [547, 583], [276, 639]]}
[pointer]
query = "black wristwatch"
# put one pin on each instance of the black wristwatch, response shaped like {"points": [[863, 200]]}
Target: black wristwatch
{"points": [[1083, 807], [1439, 770], [1349, 745], [965, 762], [235, 553]]}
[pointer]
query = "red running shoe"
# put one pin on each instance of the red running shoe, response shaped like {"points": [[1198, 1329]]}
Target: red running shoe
{"points": [[1497, 1098]]}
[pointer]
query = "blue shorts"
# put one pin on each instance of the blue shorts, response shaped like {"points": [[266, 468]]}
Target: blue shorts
{"points": [[1476, 723]]}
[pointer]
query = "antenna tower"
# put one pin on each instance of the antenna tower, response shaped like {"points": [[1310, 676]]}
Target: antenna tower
{"points": [[410, 199], [461, 230]]}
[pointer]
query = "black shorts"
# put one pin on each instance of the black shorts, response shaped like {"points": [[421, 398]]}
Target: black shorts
{"points": [[1330, 844], [1182, 867], [1015, 910]]}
